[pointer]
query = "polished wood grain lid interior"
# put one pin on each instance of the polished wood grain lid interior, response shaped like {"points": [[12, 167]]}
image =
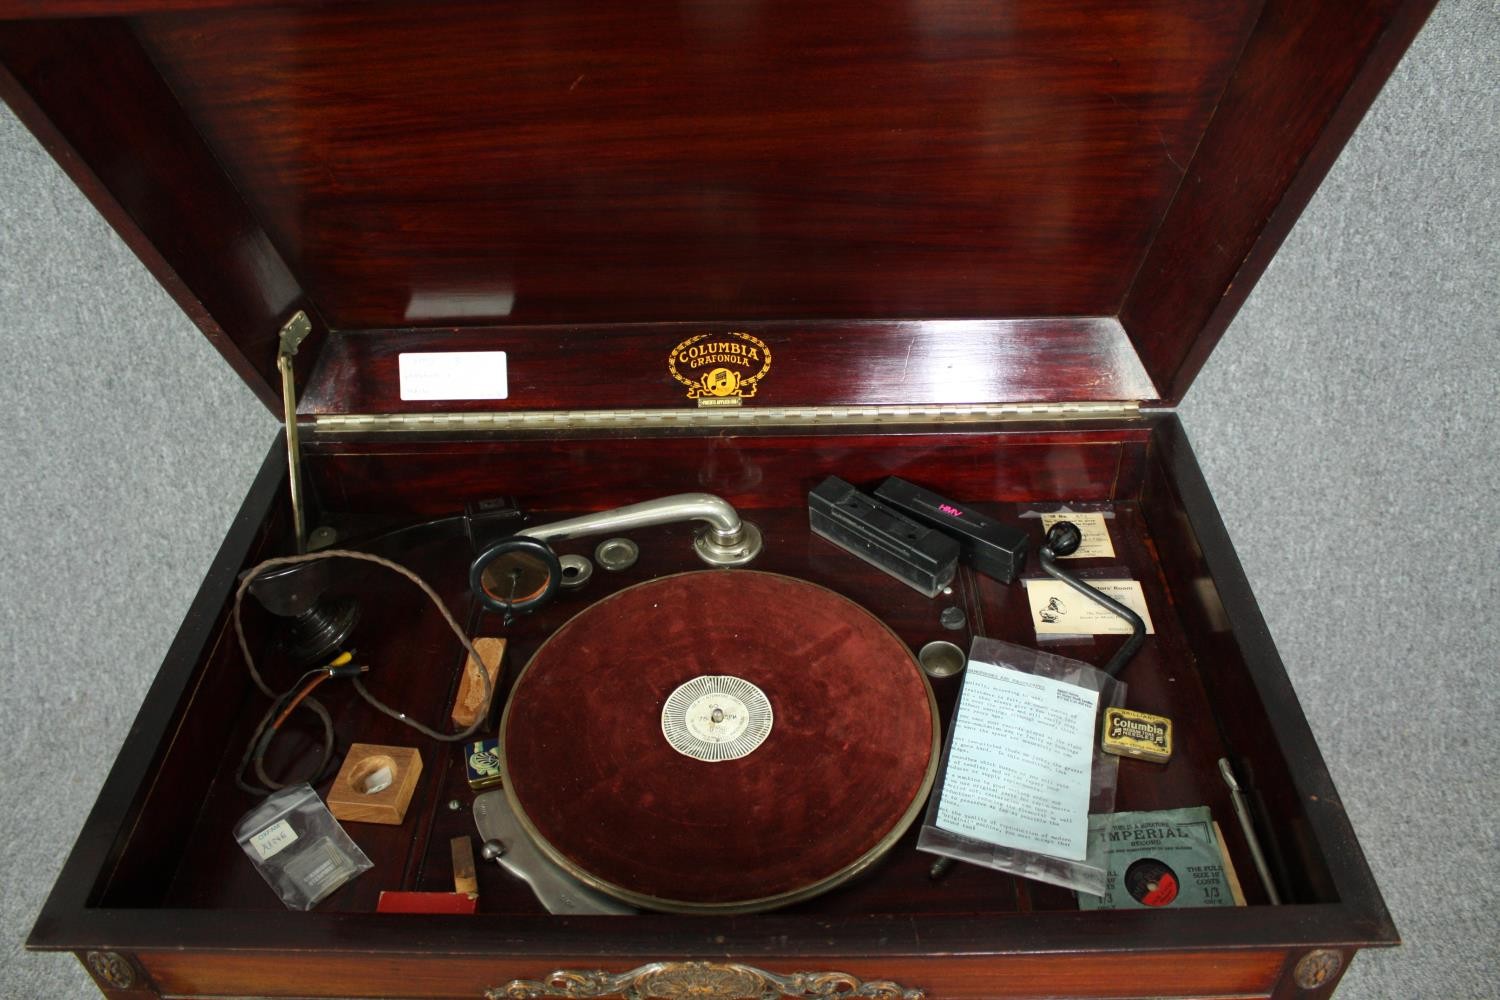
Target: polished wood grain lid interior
{"points": [[536, 162], [723, 740], [1070, 199]]}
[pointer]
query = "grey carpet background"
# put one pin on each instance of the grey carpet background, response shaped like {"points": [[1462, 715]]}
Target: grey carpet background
{"points": [[1347, 424]]}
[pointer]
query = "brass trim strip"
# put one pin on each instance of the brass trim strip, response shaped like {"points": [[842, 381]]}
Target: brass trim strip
{"points": [[700, 981], [749, 416]]}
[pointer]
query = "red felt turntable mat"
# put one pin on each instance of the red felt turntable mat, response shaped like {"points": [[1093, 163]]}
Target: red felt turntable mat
{"points": [[842, 773]]}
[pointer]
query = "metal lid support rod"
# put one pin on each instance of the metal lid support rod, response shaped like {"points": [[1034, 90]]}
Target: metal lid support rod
{"points": [[292, 335]]}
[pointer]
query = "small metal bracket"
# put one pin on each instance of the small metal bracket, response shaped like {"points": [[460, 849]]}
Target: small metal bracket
{"points": [[293, 333]]}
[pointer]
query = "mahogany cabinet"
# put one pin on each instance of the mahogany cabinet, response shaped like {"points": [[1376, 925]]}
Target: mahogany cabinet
{"points": [[985, 247]]}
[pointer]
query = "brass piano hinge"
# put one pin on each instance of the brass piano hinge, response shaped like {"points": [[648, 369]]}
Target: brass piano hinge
{"points": [[748, 417]]}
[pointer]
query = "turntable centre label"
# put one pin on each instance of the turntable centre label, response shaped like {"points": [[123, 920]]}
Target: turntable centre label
{"points": [[716, 718]]}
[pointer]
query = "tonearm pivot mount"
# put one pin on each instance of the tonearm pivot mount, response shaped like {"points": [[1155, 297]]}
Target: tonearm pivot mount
{"points": [[521, 573]]}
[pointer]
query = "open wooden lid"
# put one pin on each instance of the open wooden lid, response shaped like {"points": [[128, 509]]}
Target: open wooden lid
{"points": [[900, 202]]}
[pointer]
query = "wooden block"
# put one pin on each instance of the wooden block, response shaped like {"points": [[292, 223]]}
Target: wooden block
{"points": [[465, 879], [470, 705], [463, 899], [1229, 872], [391, 771], [427, 902]]}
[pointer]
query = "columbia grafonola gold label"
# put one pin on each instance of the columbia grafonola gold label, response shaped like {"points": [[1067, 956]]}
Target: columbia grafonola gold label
{"points": [[720, 369]]}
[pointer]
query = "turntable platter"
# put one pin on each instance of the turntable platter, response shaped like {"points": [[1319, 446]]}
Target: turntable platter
{"points": [[719, 741]]}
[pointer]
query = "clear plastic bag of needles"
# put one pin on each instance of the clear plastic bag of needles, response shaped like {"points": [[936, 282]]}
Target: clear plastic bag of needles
{"points": [[298, 847], [1022, 771]]}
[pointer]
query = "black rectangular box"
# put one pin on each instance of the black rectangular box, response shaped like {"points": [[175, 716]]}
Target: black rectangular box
{"points": [[992, 547]]}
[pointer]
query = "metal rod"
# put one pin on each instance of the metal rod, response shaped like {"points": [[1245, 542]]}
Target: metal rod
{"points": [[292, 334], [1242, 813], [664, 510], [1063, 538], [727, 541], [293, 449]]}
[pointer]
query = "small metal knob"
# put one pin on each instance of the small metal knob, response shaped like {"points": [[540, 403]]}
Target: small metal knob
{"points": [[491, 850], [576, 571], [941, 867], [615, 554]]}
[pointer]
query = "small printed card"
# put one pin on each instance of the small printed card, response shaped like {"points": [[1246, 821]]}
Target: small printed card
{"points": [[1096, 543], [453, 375], [1058, 609]]}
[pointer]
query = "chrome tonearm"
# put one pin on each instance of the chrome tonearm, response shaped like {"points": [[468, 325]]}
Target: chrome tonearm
{"points": [[725, 540]]}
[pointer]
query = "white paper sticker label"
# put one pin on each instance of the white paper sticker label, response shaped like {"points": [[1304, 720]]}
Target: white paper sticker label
{"points": [[716, 718], [270, 841], [1021, 762], [454, 375], [1058, 609], [1096, 543]]}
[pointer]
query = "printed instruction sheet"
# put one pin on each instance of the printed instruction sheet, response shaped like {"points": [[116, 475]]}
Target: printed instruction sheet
{"points": [[1020, 762]]}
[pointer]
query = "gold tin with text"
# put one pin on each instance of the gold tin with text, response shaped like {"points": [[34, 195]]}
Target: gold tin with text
{"points": [[1137, 734]]}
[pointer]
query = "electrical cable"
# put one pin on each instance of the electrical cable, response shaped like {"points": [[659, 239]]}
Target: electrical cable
{"points": [[265, 732], [298, 696]]}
